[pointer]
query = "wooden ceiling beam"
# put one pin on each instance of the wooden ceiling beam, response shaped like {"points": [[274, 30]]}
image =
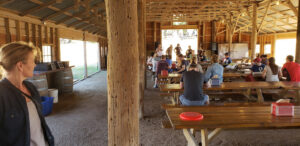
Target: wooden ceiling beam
{"points": [[41, 6], [4, 2]]}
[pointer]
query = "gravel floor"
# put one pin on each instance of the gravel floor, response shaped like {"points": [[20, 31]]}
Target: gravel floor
{"points": [[80, 119]]}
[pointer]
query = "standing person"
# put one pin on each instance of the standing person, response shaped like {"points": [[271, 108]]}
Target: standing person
{"points": [[272, 72], [149, 61], [161, 65], [214, 69], [292, 68], [21, 119], [156, 58], [178, 49], [169, 51], [227, 60], [192, 82], [189, 52]]}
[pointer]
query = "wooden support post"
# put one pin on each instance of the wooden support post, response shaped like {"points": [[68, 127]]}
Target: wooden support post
{"points": [[123, 93], [39, 44], [226, 33], [297, 56], [39, 40], [154, 33], [51, 35], [46, 34], [254, 31], [142, 57], [213, 31], [57, 45], [33, 32], [230, 39], [203, 36], [7, 31], [85, 55], [18, 30], [199, 40], [27, 31], [240, 36]]}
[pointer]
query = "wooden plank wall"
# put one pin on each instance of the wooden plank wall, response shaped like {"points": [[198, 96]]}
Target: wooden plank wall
{"points": [[12, 30], [16, 28]]}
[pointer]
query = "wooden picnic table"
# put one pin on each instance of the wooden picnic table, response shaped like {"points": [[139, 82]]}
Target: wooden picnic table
{"points": [[170, 75], [228, 117], [234, 75], [175, 88]]}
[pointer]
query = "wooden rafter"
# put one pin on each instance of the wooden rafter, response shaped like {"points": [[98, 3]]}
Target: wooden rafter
{"points": [[264, 16], [44, 5]]}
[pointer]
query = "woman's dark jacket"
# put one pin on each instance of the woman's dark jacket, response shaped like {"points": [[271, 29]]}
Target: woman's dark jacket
{"points": [[14, 117]]}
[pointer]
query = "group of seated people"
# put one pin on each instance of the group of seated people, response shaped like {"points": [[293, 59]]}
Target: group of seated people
{"points": [[272, 72], [194, 77]]}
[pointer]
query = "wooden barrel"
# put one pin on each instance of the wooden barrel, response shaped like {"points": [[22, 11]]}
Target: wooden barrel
{"points": [[40, 82], [64, 81]]}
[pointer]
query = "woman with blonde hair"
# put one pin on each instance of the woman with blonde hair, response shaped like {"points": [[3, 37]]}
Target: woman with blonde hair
{"points": [[21, 119]]}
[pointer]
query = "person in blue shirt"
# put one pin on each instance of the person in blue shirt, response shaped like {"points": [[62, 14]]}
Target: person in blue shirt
{"points": [[227, 60], [214, 69], [258, 67], [169, 61]]}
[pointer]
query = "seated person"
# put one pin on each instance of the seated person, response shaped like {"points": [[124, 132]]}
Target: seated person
{"points": [[199, 67], [272, 72], [201, 56], [214, 69], [292, 68], [161, 65], [257, 59], [264, 59], [181, 64], [192, 81], [257, 67], [227, 60]]}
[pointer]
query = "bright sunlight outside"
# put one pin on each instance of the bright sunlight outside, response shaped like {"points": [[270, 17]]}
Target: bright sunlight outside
{"points": [[184, 37], [284, 48]]}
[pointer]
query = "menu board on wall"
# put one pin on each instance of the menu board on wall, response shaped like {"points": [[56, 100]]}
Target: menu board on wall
{"points": [[238, 51]]}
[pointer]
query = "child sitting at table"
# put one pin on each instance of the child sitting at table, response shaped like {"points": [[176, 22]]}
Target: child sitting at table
{"points": [[192, 82]]}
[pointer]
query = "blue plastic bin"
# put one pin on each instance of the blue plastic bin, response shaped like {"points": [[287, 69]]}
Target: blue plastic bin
{"points": [[47, 104]]}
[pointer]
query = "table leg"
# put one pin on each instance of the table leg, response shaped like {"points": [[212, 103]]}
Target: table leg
{"points": [[204, 137], [176, 98], [260, 98], [214, 133], [248, 94], [173, 100], [298, 97], [190, 138]]}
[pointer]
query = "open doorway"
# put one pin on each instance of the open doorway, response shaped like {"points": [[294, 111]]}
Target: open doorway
{"points": [[184, 37], [283, 48]]}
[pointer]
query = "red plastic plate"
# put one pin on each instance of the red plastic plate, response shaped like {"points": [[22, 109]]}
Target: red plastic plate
{"points": [[191, 116]]}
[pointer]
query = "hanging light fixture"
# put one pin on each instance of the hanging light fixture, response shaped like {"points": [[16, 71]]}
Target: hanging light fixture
{"points": [[277, 2]]}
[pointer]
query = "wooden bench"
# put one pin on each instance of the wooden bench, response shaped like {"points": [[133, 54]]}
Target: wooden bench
{"points": [[244, 86], [226, 117]]}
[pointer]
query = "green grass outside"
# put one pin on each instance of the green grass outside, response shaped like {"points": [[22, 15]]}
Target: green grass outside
{"points": [[78, 72]]}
